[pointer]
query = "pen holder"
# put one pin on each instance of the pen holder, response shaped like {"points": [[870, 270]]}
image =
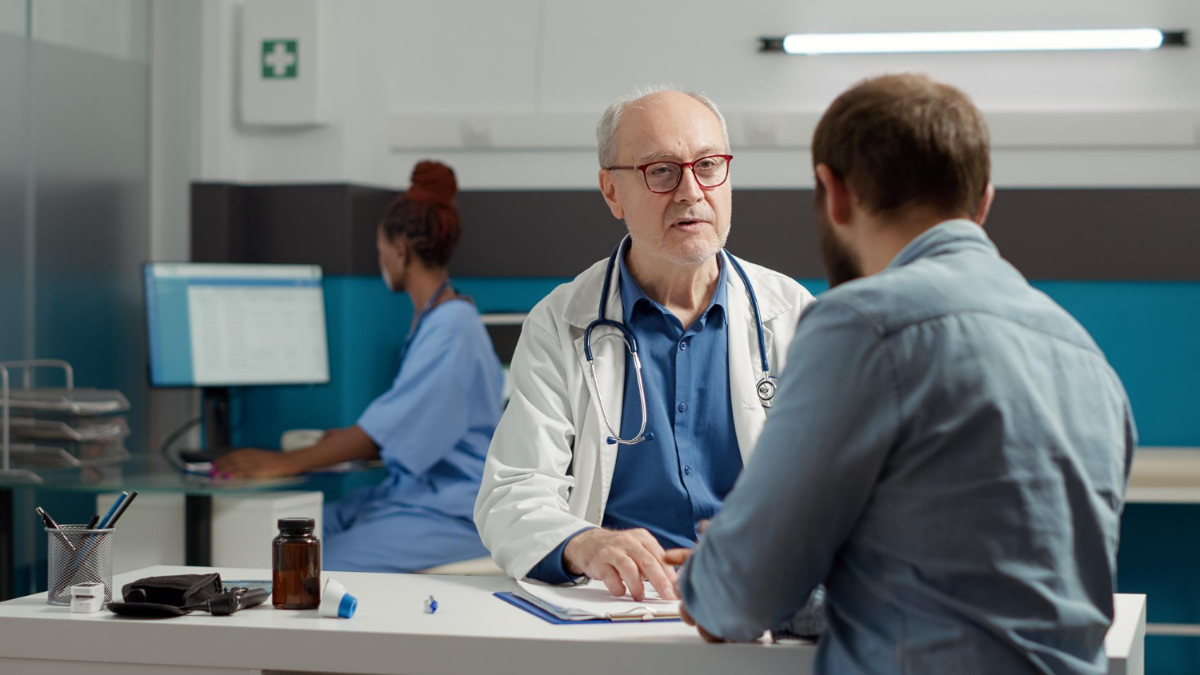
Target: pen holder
{"points": [[77, 556]]}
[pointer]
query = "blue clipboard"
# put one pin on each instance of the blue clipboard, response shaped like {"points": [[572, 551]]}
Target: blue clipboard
{"points": [[550, 618]]}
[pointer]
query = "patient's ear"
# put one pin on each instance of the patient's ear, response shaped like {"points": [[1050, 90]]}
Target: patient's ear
{"points": [[837, 196], [985, 206]]}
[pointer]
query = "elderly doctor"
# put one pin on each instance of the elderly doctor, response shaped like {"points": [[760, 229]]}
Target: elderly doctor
{"points": [[598, 464]]}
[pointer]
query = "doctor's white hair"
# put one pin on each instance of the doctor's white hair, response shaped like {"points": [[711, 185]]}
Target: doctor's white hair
{"points": [[606, 130]]}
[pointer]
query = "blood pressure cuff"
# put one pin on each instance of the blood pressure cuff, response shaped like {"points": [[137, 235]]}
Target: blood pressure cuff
{"points": [[173, 595]]}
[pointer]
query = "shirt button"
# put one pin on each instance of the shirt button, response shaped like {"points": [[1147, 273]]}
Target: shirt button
{"points": [[682, 407], [687, 470], [683, 346]]}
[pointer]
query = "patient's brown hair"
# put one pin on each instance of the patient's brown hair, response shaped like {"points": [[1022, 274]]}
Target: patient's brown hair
{"points": [[903, 141]]}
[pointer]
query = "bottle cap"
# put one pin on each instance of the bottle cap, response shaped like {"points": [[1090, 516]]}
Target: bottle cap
{"points": [[301, 525]]}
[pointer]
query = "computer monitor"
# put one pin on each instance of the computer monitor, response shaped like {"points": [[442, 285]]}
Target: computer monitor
{"points": [[224, 325]]}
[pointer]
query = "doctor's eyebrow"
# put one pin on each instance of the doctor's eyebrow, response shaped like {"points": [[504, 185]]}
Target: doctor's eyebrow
{"points": [[661, 155]]}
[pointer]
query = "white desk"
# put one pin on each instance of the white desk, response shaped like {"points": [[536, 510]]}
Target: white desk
{"points": [[1164, 476], [471, 632]]}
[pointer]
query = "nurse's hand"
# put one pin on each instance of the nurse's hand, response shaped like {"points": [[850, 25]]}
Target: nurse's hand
{"points": [[677, 557], [621, 560], [252, 463]]}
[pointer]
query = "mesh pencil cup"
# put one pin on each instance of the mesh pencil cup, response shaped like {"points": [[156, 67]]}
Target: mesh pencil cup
{"points": [[77, 555]]}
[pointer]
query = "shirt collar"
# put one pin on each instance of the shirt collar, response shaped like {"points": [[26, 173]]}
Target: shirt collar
{"points": [[632, 293], [951, 235]]}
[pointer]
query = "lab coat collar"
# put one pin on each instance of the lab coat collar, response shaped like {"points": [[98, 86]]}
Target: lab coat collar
{"points": [[745, 367], [583, 305]]}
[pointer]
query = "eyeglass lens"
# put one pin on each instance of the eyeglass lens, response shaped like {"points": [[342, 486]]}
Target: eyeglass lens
{"points": [[665, 176]]}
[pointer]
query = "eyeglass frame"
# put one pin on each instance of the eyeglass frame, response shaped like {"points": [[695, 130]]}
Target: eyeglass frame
{"points": [[682, 165]]}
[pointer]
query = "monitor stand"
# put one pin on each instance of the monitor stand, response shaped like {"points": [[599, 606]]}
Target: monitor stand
{"points": [[197, 545], [217, 433]]}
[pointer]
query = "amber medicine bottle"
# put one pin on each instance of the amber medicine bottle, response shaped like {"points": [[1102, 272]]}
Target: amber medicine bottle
{"points": [[296, 565]]}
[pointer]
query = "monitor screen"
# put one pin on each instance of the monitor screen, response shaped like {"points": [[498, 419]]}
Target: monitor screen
{"points": [[219, 325]]}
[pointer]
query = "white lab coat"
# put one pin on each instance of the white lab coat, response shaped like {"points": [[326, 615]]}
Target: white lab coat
{"points": [[549, 467]]}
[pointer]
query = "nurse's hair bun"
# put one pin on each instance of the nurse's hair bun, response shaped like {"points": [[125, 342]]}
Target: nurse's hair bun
{"points": [[426, 215], [433, 183]]}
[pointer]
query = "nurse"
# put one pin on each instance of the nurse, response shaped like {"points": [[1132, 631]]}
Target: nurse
{"points": [[432, 428]]}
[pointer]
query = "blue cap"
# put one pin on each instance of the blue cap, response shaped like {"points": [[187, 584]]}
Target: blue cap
{"points": [[347, 606]]}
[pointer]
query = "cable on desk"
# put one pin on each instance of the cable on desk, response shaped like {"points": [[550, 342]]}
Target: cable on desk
{"points": [[172, 458]]}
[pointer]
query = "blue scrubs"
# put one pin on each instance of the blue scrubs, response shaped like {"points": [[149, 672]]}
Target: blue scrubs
{"points": [[433, 428]]}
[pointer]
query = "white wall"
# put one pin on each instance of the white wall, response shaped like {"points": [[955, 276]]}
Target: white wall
{"points": [[12, 16], [401, 69], [112, 28]]}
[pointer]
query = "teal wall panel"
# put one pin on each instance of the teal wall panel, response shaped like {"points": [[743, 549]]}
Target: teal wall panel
{"points": [[1150, 332]]}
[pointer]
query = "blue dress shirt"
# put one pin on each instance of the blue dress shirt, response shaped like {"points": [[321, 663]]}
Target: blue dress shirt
{"points": [[680, 476], [948, 452]]}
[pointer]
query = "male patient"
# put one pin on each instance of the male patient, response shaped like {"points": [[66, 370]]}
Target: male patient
{"points": [[950, 449]]}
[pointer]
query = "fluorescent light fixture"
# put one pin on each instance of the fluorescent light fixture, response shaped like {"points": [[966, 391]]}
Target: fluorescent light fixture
{"points": [[974, 41]]}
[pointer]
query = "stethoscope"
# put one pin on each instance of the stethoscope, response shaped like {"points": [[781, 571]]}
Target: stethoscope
{"points": [[766, 384]]}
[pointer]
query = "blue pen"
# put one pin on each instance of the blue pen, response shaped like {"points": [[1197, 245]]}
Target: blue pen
{"points": [[122, 508], [112, 510]]}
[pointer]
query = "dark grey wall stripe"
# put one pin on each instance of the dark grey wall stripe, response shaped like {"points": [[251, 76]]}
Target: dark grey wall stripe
{"points": [[332, 225], [1132, 234]]}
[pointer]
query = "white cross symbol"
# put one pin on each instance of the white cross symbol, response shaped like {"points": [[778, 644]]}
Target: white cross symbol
{"points": [[279, 59]]}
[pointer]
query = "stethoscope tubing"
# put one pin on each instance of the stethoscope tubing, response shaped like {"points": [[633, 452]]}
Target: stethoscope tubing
{"points": [[765, 386]]}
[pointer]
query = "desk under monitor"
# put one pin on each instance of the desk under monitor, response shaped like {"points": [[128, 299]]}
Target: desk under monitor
{"points": [[472, 632]]}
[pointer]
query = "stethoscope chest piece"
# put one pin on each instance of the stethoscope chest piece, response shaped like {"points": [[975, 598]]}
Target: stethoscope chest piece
{"points": [[766, 390]]}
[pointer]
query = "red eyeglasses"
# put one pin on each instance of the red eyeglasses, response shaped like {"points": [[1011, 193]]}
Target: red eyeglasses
{"points": [[662, 177]]}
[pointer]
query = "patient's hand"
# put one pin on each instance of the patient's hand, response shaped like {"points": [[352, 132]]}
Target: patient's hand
{"points": [[677, 557], [621, 560], [254, 463]]}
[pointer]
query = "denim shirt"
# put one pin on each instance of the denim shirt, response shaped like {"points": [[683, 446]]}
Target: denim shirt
{"points": [[948, 452]]}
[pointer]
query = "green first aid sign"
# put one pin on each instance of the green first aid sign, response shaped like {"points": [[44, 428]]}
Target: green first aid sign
{"points": [[280, 59]]}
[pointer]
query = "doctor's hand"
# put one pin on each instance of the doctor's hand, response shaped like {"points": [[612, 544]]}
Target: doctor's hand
{"points": [[253, 463], [621, 560], [677, 557]]}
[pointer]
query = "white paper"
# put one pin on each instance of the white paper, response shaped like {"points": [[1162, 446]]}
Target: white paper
{"points": [[594, 601]]}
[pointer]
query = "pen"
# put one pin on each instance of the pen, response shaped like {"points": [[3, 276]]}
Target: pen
{"points": [[54, 526], [121, 510], [91, 525], [112, 510], [46, 518]]}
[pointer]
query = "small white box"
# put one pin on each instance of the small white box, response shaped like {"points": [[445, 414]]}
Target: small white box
{"points": [[87, 598]]}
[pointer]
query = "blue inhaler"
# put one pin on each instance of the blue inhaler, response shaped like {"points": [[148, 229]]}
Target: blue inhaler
{"points": [[336, 602]]}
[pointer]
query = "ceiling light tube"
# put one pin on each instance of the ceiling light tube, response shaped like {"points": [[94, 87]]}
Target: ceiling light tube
{"points": [[974, 41]]}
